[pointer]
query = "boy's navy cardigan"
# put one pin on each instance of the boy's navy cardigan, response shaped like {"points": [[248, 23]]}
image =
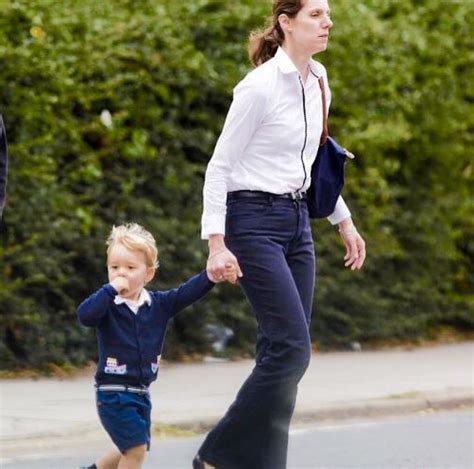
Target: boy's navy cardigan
{"points": [[130, 344]]}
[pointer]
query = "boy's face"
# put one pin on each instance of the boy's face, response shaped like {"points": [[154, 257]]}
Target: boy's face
{"points": [[131, 265]]}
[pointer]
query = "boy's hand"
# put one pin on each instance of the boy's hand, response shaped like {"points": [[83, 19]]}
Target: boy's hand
{"points": [[120, 284], [230, 273]]}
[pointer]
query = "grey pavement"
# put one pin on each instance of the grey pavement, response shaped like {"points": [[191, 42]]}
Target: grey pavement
{"points": [[194, 396]]}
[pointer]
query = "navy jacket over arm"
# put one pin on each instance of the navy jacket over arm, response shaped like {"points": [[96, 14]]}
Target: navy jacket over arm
{"points": [[130, 344], [3, 165]]}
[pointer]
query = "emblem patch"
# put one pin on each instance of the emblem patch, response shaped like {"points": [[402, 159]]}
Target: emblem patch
{"points": [[155, 366], [113, 368]]}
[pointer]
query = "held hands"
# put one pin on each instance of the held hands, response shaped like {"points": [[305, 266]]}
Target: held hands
{"points": [[354, 243], [230, 273], [121, 285], [222, 266]]}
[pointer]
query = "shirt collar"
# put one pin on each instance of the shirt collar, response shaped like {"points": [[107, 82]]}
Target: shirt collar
{"points": [[284, 62], [286, 65], [142, 299]]}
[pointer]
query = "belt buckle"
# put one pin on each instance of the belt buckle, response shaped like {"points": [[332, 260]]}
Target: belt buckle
{"points": [[296, 195]]}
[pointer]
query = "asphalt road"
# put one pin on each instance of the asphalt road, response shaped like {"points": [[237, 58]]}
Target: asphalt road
{"points": [[418, 441]]}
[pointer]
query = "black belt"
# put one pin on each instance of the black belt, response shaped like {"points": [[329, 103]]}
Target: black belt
{"points": [[265, 195], [122, 388]]}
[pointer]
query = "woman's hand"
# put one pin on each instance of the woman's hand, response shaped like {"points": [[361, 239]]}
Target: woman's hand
{"points": [[354, 243], [222, 265]]}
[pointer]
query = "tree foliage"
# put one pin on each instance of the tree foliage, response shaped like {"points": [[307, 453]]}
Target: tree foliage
{"points": [[402, 82]]}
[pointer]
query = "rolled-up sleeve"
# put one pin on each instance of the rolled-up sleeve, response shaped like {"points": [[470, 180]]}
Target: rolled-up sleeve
{"points": [[245, 115], [341, 212]]}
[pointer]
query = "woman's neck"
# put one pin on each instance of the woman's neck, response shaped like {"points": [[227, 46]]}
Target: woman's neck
{"points": [[300, 59]]}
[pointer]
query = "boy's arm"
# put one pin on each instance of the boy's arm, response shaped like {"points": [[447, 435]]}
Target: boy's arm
{"points": [[93, 309], [186, 294]]}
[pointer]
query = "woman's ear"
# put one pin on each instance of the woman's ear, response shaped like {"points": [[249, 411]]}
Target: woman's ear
{"points": [[285, 23]]}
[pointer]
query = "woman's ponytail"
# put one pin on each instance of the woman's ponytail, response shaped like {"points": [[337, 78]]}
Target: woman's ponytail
{"points": [[264, 44]]}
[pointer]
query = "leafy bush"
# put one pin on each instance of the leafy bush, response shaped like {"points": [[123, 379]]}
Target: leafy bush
{"points": [[401, 77]]}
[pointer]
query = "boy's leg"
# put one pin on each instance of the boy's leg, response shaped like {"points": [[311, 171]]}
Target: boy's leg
{"points": [[133, 458], [126, 418], [109, 460]]}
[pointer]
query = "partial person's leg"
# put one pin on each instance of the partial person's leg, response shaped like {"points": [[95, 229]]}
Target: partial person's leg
{"points": [[110, 459], [254, 432], [301, 261], [133, 458], [126, 418]]}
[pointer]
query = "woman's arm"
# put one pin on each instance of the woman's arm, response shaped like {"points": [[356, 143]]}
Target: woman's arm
{"points": [[354, 243], [341, 216], [245, 115], [220, 259]]}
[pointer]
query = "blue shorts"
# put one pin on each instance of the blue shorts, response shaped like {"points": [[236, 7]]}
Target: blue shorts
{"points": [[125, 416]]}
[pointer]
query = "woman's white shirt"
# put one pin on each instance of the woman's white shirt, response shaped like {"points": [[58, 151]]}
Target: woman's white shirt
{"points": [[263, 145]]}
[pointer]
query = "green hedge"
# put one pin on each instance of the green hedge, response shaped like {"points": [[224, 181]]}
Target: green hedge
{"points": [[401, 76]]}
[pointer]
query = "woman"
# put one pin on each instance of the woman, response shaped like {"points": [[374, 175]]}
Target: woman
{"points": [[255, 216]]}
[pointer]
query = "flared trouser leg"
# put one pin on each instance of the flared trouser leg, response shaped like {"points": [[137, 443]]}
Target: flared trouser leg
{"points": [[275, 250]]}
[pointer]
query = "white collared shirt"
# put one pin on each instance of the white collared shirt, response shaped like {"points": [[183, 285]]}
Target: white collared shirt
{"points": [[261, 144], [134, 305]]}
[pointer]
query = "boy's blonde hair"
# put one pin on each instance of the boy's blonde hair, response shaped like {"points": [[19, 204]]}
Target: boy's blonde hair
{"points": [[134, 237]]}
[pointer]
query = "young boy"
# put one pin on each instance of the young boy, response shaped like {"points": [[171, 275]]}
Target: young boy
{"points": [[131, 324]]}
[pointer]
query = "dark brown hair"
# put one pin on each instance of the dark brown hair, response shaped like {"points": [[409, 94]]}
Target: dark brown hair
{"points": [[263, 44]]}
